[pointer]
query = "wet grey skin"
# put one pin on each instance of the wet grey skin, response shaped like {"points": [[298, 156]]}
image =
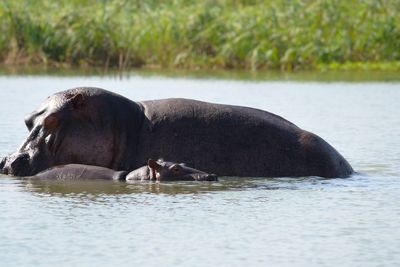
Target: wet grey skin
{"points": [[93, 126], [159, 170]]}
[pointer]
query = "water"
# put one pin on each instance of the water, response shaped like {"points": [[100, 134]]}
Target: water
{"points": [[235, 222]]}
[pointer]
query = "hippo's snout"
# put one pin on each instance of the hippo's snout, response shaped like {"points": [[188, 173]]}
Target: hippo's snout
{"points": [[207, 177], [16, 165], [212, 177]]}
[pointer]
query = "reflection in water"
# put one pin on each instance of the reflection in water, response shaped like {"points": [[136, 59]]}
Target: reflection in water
{"points": [[101, 187], [116, 188]]}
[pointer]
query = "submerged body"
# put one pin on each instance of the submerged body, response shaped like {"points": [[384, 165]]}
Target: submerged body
{"points": [[154, 170], [95, 127]]}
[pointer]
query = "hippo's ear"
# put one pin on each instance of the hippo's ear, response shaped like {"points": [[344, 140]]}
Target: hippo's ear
{"points": [[77, 100], [153, 164]]}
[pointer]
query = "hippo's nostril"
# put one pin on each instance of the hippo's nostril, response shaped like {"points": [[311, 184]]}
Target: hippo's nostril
{"points": [[21, 160], [2, 163]]}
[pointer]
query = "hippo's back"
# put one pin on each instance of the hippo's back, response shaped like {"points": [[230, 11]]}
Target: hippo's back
{"points": [[80, 172], [233, 140]]}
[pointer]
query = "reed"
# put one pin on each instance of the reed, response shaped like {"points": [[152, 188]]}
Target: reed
{"points": [[229, 34]]}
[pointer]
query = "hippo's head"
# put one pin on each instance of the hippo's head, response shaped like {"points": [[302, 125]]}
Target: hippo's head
{"points": [[81, 125], [170, 171]]}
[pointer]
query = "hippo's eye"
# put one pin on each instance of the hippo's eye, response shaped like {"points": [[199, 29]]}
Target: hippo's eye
{"points": [[176, 169]]}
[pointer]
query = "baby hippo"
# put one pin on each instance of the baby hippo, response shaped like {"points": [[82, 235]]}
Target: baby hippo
{"points": [[159, 170]]}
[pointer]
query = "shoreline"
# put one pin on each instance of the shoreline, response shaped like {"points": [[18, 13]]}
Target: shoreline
{"points": [[334, 66], [345, 74]]}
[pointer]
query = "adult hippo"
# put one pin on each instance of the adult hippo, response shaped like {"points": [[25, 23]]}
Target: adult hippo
{"points": [[159, 170], [95, 127]]}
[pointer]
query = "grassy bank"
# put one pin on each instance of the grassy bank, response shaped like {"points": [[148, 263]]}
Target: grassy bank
{"points": [[279, 34]]}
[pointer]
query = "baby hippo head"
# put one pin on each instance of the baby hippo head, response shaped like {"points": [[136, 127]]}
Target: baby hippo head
{"points": [[169, 171]]}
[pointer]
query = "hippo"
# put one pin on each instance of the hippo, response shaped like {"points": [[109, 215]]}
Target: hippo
{"points": [[159, 170], [93, 126]]}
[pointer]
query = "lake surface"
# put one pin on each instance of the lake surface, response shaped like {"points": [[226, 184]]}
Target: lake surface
{"points": [[234, 222]]}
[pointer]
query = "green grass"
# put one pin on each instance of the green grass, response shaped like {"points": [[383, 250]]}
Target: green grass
{"points": [[189, 34]]}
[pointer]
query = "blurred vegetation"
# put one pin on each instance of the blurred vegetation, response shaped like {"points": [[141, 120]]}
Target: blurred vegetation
{"points": [[190, 34]]}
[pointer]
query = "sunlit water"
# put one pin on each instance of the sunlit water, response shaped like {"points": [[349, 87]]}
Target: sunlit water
{"points": [[234, 222]]}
